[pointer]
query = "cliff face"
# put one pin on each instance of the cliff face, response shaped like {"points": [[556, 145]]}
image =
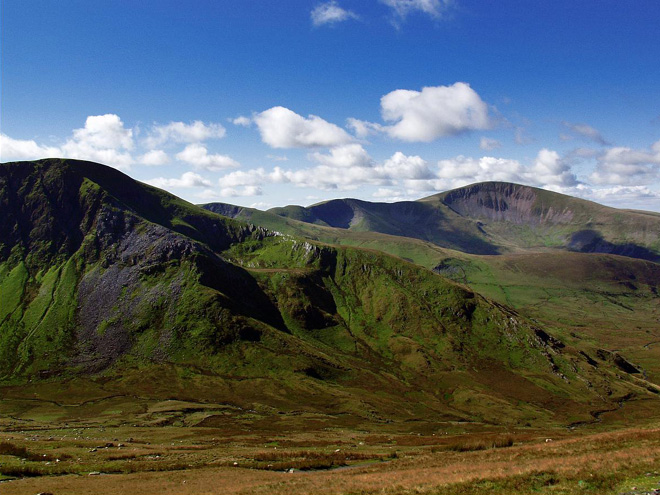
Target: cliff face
{"points": [[531, 217], [504, 202]]}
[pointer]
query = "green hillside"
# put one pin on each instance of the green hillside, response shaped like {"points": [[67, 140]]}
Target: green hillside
{"points": [[104, 278], [496, 218], [415, 219], [608, 301]]}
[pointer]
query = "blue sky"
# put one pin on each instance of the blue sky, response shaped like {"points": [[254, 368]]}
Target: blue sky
{"points": [[263, 103]]}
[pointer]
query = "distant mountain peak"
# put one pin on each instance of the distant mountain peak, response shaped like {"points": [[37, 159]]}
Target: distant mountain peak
{"points": [[495, 218]]}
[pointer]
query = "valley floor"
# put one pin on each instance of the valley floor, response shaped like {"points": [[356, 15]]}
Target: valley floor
{"points": [[307, 457]]}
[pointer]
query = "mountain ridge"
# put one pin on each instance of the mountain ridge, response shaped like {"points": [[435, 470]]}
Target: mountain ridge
{"points": [[495, 218], [146, 280]]}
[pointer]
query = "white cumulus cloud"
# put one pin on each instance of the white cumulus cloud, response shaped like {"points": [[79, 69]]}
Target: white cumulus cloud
{"points": [[638, 197], [154, 158], [198, 156], [282, 128], [104, 139], [246, 191], [429, 114], [633, 196], [253, 177], [362, 128], [105, 131], [547, 170], [400, 166], [460, 171], [20, 149], [550, 170], [344, 168], [348, 167], [348, 155], [242, 121], [627, 166]]}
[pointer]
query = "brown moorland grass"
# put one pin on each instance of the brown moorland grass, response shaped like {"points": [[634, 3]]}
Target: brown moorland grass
{"points": [[595, 463]]}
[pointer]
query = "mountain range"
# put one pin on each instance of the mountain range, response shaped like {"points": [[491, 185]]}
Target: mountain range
{"points": [[494, 303], [491, 218]]}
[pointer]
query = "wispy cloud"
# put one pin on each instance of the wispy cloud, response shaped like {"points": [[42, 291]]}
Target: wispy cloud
{"points": [[489, 144], [330, 13], [402, 8], [584, 131], [180, 132]]}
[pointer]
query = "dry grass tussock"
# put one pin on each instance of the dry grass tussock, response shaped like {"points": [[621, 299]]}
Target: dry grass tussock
{"points": [[472, 445], [278, 460], [575, 464]]}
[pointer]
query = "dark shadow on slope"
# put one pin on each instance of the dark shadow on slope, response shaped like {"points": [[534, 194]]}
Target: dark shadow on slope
{"points": [[224, 209], [299, 213], [155, 205], [233, 281], [40, 212], [404, 219], [591, 241], [335, 213]]}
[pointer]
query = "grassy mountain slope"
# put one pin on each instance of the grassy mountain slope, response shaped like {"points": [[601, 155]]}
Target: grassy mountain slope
{"points": [[496, 218], [414, 219], [610, 302], [414, 250], [532, 217], [91, 258], [105, 276]]}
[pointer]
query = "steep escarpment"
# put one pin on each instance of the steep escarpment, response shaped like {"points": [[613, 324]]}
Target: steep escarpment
{"points": [[505, 202], [529, 217], [86, 277], [376, 312]]}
